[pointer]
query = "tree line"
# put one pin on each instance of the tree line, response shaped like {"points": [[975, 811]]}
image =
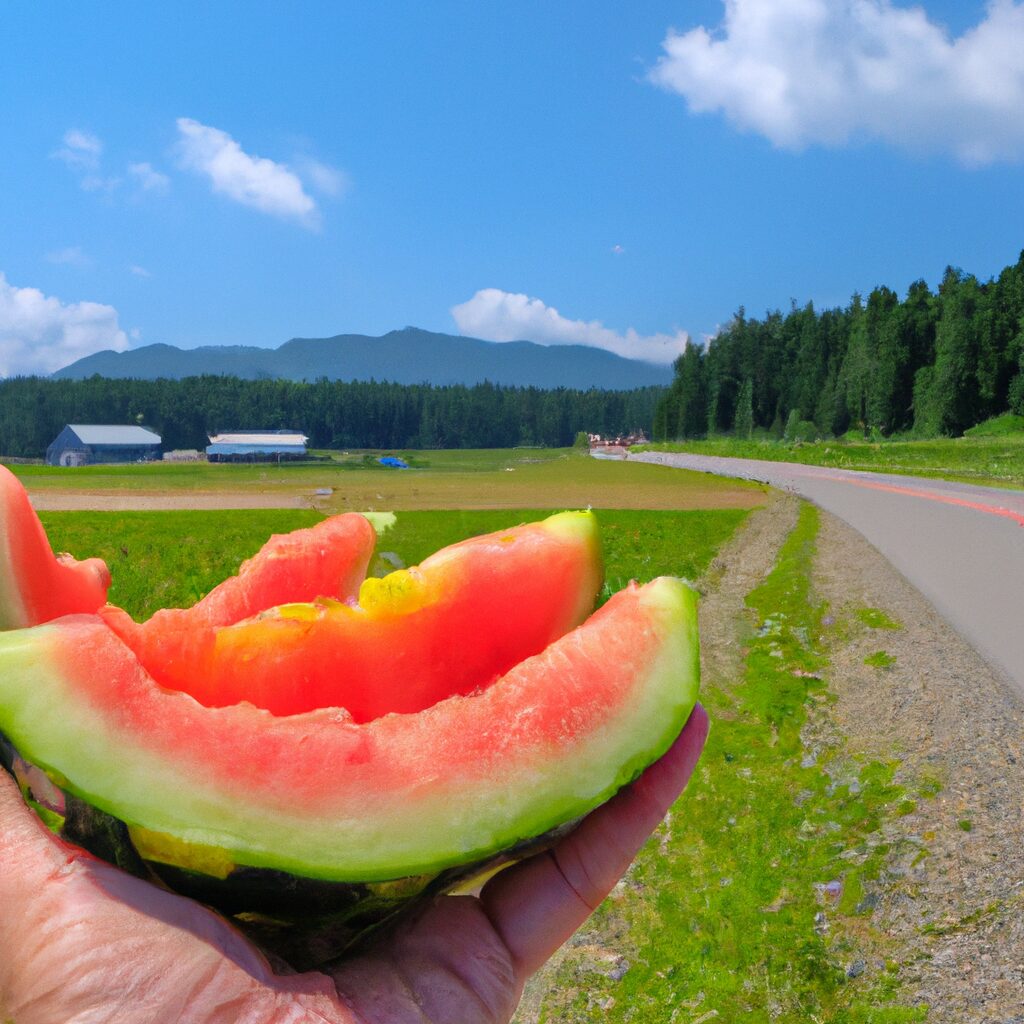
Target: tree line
{"points": [[930, 364], [333, 414]]}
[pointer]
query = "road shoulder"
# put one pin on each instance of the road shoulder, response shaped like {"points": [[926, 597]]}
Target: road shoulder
{"points": [[951, 891]]}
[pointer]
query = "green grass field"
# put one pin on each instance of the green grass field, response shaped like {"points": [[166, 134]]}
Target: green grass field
{"points": [[992, 458], [724, 911], [496, 478], [170, 559]]}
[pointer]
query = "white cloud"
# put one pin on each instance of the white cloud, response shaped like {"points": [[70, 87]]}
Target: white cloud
{"points": [[149, 179], [40, 334], [328, 180], [81, 150], [139, 271], [834, 71], [72, 256], [495, 315], [250, 180]]}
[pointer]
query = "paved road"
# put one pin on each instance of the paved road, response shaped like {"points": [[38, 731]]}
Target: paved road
{"points": [[961, 545]]}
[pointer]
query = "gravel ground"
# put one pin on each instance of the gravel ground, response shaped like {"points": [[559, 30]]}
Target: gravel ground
{"points": [[952, 896]]}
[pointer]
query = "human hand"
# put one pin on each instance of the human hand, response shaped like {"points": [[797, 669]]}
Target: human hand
{"points": [[83, 943]]}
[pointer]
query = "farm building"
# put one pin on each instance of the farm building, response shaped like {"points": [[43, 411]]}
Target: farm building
{"points": [[257, 446], [80, 444]]}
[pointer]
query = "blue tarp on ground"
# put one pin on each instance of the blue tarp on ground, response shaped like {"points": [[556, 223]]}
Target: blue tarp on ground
{"points": [[393, 461]]}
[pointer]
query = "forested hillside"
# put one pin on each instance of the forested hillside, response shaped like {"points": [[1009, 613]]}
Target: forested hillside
{"points": [[931, 364], [331, 413], [409, 356]]}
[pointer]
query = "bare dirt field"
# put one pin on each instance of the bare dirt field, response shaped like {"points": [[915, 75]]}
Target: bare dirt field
{"points": [[568, 483]]}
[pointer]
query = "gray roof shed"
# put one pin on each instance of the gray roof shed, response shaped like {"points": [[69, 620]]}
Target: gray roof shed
{"points": [[113, 434]]}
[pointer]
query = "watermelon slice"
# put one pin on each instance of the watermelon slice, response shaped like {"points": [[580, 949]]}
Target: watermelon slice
{"points": [[319, 795], [449, 626], [35, 584], [325, 560]]}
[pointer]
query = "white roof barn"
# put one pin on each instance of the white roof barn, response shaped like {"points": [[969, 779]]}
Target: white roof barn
{"points": [[256, 445], [254, 438]]}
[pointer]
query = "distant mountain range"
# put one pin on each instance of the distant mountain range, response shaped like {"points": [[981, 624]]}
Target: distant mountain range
{"points": [[409, 356]]}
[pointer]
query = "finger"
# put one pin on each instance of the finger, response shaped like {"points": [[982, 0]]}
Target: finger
{"points": [[535, 906]]}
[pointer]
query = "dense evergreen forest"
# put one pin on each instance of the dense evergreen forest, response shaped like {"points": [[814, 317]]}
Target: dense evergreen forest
{"points": [[932, 364], [333, 414]]}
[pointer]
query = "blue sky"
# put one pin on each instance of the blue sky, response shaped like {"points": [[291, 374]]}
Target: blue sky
{"points": [[593, 172]]}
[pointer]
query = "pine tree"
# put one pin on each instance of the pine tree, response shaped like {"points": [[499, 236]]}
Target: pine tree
{"points": [[743, 422]]}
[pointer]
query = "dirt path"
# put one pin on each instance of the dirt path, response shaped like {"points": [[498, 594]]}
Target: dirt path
{"points": [[133, 501]]}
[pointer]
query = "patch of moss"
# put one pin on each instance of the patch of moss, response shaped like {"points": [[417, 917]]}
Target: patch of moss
{"points": [[877, 619], [880, 659], [976, 915], [929, 786]]}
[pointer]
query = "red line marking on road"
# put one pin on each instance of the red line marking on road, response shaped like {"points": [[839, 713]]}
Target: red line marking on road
{"points": [[946, 499]]}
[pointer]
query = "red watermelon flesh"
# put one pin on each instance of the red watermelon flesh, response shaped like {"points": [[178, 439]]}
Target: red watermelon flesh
{"points": [[325, 560], [36, 585], [450, 626]]}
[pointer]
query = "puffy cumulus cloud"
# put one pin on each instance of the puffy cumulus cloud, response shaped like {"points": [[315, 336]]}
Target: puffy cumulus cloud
{"points": [[40, 334], [834, 71], [495, 315], [250, 180]]}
